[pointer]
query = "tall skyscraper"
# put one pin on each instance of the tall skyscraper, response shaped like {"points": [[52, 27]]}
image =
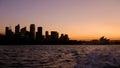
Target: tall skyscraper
{"points": [[32, 31], [8, 33], [47, 36], [39, 36], [40, 30], [23, 32], [7, 29], [17, 29]]}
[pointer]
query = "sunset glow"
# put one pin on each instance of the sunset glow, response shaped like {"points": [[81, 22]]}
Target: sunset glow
{"points": [[80, 19]]}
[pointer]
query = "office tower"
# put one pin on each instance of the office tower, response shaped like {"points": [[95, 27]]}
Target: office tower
{"points": [[47, 36], [23, 35], [40, 30], [23, 32], [32, 31], [39, 35], [7, 30], [54, 36], [8, 33], [17, 29]]}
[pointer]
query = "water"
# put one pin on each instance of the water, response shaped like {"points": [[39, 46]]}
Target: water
{"points": [[60, 56]]}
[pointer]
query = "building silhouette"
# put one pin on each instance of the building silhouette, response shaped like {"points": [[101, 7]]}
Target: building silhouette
{"points": [[54, 36], [47, 36], [104, 40], [39, 34], [23, 32], [17, 29], [17, 34], [9, 35], [32, 32], [64, 38], [22, 36], [8, 32]]}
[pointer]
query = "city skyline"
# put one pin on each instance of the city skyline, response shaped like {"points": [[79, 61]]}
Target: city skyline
{"points": [[81, 19], [23, 36]]}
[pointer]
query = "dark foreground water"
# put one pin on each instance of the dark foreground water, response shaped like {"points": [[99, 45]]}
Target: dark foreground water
{"points": [[60, 56]]}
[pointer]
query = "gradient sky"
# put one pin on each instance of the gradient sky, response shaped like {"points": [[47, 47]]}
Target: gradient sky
{"points": [[80, 19]]}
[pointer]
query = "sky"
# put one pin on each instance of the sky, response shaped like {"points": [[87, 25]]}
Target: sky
{"points": [[80, 19]]}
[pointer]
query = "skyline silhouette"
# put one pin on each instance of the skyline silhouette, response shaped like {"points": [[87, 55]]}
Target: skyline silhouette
{"points": [[23, 36]]}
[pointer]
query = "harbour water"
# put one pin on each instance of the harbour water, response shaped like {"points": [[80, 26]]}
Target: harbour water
{"points": [[60, 56]]}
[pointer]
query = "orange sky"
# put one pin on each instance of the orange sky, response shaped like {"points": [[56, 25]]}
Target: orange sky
{"points": [[80, 19]]}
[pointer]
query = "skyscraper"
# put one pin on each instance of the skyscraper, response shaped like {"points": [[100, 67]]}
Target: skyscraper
{"points": [[39, 36], [47, 36], [17, 29], [23, 32], [7, 30], [40, 30], [8, 33], [32, 31]]}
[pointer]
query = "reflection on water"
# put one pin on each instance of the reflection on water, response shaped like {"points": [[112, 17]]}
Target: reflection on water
{"points": [[69, 56]]}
